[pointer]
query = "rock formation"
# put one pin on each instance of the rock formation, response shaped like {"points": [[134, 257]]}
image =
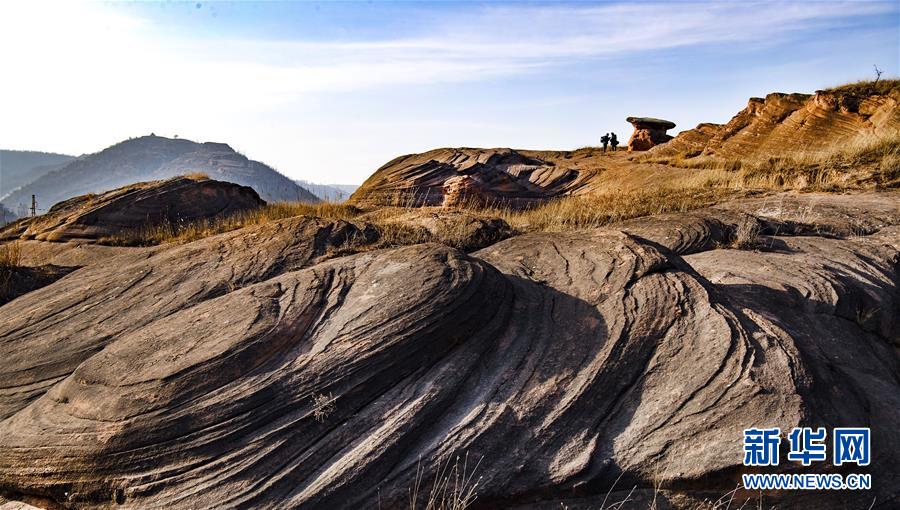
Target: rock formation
{"points": [[252, 370], [501, 177], [151, 158], [775, 126], [648, 132], [139, 206], [457, 228], [784, 123]]}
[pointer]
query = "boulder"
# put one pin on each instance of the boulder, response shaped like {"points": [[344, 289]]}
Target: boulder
{"points": [[460, 229], [453, 177], [648, 132], [141, 206]]}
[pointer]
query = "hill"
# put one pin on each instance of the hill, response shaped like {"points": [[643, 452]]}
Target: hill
{"points": [[329, 192], [151, 158], [18, 168], [846, 137]]}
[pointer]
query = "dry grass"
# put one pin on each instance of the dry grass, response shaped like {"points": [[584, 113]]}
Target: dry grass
{"points": [[10, 260], [867, 88], [10, 255], [589, 211], [746, 235], [197, 176], [453, 488], [183, 232], [323, 406], [872, 162]]}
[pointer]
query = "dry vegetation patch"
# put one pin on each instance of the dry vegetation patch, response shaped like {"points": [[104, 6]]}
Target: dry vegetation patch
{"points": [[17, 279], [867, 162], [183, 232]]}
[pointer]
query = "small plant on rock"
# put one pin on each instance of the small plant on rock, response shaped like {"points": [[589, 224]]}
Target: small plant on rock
{"points": [[746, 233], [323, 406]]}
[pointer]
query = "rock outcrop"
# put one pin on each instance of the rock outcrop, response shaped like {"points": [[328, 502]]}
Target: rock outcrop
{"points": [[777, 126], [151, 158], [246, 371], [501, 177], [463, 230], [140, 206], [648, 132], [780, 124]]}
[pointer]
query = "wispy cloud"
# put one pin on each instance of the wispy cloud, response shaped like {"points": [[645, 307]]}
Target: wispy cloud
{"points": [[91, 65]]}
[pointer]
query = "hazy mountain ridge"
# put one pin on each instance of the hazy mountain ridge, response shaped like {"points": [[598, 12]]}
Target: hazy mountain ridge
{"points": [[151, 158], [18, 168], [329, 192]]}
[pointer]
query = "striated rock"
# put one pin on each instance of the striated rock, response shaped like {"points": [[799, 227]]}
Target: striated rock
{"points": [[648, 132], [138, 206], [71, 320], [783, 123], [501, 177], [460, 229], [16, 281], [466, 191], [242, 371], [778, 125]]}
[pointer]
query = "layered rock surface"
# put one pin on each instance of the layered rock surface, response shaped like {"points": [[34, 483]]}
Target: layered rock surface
{"points": [[501, 177], [648, 132], [783, 123], [243, 371], [138, 206], [779, 125]]}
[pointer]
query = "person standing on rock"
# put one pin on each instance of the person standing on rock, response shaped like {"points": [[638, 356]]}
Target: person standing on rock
{"points": [[605, 141], [613, 141]]}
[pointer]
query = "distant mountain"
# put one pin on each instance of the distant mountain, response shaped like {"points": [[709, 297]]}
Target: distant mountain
{"points": [[6, 215], [329, 192], [151, 158], [18, 168]]}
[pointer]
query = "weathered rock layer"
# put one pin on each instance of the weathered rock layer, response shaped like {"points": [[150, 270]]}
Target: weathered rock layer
{"points": [[780, 124], [241, 372], [648, 132], [138, 207]]}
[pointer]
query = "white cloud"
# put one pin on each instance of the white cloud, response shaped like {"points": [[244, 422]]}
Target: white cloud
{"points": [[81, 75]]}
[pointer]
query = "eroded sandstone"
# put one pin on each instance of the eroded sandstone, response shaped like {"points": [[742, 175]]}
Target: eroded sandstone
{"points": [[244, 371]]}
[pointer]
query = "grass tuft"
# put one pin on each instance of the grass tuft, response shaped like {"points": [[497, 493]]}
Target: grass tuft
{"points": [[185, 232]]}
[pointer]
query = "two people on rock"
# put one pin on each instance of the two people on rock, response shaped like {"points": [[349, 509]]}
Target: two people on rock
{"points": [[609, 139]]}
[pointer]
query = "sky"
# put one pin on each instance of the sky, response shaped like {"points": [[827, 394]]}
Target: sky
{"points": [[330, 91]]}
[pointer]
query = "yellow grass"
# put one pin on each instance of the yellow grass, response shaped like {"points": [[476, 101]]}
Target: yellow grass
{"points": [[197, 176], [590, 211], [10, 255], [867, 162], [10, 259], [867, 87], [168, 232]]}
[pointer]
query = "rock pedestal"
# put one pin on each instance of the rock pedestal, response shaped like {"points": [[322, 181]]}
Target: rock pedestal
{"points": [[464, 190], [648, 132]]}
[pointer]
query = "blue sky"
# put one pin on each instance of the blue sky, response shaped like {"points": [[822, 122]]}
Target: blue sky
{"points": [[328, 91]]}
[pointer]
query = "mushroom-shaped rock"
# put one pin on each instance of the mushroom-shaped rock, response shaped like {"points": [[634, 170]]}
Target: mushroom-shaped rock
{"points": [[648, 132]]}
